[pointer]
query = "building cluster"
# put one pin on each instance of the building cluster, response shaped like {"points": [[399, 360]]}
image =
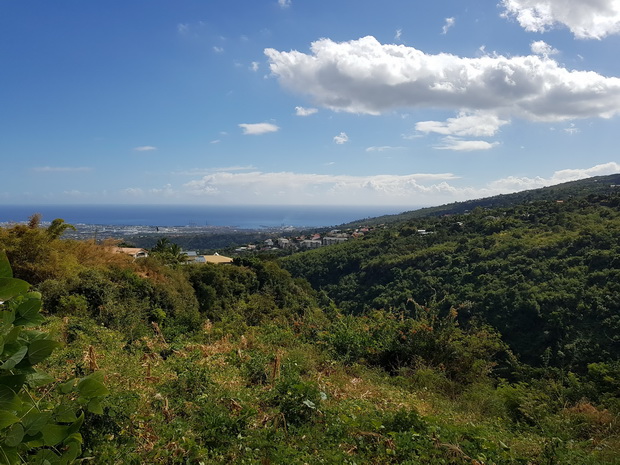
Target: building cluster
{"points": [[305, 242]]}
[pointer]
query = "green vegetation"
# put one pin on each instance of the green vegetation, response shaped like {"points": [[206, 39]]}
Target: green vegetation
{"points": [[40, 418], [493, 340]]}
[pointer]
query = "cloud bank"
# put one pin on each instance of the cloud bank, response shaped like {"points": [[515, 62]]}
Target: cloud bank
{"points": [[365, 76], [414, 189]]}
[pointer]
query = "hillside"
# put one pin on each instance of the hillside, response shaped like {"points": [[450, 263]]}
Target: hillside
{"points": [[590, 186], [491, 337], [544, 274]]}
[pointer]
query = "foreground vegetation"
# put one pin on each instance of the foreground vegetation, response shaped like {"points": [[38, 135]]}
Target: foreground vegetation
{"points": [[491, 341]]}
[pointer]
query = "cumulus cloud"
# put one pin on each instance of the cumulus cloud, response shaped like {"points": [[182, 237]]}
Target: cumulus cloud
{"points": [[341, 138], [301, 111], [284, 3], [542, 48], [448, 24], [255, 129], [477, 124], [62, 169], [586, 19], [254, 66], [365, 76], [460, 145]]}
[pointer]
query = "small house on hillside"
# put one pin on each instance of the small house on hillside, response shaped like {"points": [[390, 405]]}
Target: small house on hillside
{"points": [[217, 258], [135, 252]]}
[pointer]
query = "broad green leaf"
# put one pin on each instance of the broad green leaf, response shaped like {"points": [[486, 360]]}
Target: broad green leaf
{"points": [[54, 434], [5, 266], [10, 287], [15, 435], [94, 406], [14, 359], [34, 441], [75, 426], [34, 421], [7, 317], [7, 419], [28, 313], [38, 379], [46, 457], [9, 454], [90, 387], [67, 387], [40, 349], [65, 413], [15, 382], [29, 308], [13, 335], [72, 452], [8, 399]]}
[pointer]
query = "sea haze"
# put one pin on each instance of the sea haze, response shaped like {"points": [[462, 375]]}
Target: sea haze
{"points": [[246, 217]]}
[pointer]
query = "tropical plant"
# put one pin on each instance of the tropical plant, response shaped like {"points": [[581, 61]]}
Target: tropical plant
{"points": [[40, 417]]}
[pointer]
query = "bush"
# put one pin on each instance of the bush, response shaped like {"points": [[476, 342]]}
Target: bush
{"points": [[34, 426]]}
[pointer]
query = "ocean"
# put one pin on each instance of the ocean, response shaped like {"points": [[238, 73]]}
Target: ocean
{"points": [[244, 217]]}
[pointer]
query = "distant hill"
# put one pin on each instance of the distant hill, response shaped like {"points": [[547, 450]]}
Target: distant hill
{"points": [[582, 188]]}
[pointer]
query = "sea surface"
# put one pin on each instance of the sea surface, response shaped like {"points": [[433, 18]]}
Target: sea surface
{"points": [[245, 217]]}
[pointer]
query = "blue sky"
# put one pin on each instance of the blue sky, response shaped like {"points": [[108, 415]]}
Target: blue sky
{"points": [[304, 101]]}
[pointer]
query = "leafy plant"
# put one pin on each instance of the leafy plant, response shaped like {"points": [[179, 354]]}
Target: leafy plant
{"points": [[36, 427]]}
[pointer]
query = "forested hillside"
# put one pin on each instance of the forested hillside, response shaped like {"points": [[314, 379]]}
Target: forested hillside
{"points": [[545, 274], [490, 337], [590, 186]]}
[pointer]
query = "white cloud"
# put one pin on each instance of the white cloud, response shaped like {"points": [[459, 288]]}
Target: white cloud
{"points": [[254, 66], [412, 189], [383, 148], [515, 184], [255, 129], [542, 48], [215, 141], [217, 49], [182, 28], [477, 124], [460, 145], [62, 169], [586, 19], [284, 3], [299, 188], [398, 35], [572, 129], [341, 138], [448, 24], [365, 76], [145, 148], [301, 111]]}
